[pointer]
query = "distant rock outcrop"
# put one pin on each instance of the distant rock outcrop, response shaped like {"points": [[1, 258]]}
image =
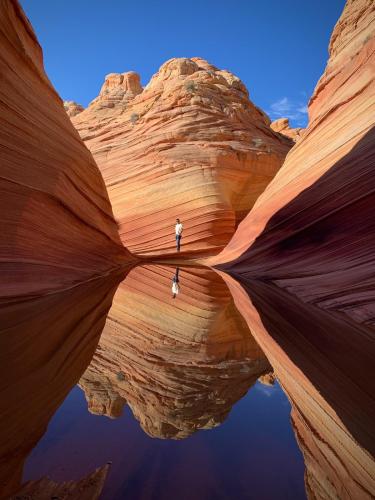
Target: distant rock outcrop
{"points": [[72, 108], [190, 145], [282, 126], [180, 364], [117, 88], [312, 231], [56, 224], [267, 378]]}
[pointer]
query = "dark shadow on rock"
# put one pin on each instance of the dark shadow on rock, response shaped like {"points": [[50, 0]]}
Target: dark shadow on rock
{"points": [[320, 246], [324, 361]]}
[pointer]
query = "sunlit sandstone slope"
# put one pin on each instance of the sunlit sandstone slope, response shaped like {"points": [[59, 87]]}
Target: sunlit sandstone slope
{"points": [[190, 145], [56, 224], [313, 229], [180, 364]]}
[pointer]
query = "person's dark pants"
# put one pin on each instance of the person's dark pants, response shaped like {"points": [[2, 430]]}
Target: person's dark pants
{"points": [[178, 242]]}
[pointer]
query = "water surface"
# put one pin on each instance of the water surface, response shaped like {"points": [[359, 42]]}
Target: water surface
{"points": [[171, 391], [253, 454]]}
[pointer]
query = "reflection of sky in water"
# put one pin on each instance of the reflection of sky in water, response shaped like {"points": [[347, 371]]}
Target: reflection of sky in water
{"points": [[265, 389], [253, 454]]}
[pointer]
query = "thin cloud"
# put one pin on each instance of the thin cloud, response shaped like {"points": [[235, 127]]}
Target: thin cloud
{"points": [[303, 109], [296, 111]]}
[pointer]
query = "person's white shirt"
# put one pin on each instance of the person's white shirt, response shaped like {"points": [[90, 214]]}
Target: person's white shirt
{"points": [[175, 288], [179, 229]]}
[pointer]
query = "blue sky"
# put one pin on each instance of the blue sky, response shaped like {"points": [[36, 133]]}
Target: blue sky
{"points": [[277, 48]]}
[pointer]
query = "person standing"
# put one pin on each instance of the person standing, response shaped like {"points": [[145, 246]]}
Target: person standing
{"points": [[179, 229]]}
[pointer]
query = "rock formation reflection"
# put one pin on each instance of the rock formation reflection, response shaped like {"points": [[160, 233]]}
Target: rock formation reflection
{"points": [[322, 360], [179, 365], [45, 345]]}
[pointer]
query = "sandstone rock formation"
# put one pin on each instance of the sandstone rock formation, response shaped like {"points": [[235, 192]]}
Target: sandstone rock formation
{"points": [[282, 126], [45, 346], [267, 378], [322, 362], [72, 108], [87, 488], [56, 223], [180, 364], [312, 231], [118, 88], [190, 145]]}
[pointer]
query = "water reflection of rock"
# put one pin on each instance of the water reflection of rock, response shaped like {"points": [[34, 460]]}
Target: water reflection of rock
{"points": [[322, 361], [45, 345], [87, 488], [180, 365]]}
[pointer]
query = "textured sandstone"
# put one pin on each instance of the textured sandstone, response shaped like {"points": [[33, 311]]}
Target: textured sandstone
{"points": [[117, 88], [72, 108], [190, 145], [322, 361], [282, 127], [56, 223], [180, 364], [45, 346], [312, 231], [267, 379], [87, 488]]}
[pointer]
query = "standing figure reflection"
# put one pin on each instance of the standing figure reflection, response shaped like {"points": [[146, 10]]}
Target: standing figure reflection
{"points": [[176, 283]]}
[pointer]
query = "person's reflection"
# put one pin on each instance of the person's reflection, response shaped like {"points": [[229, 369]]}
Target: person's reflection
{"points": [[175, 283]]}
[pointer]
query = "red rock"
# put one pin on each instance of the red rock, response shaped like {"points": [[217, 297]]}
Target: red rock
{"points": [[87, 488], [72, 108], [190, 145], [267, 378], [180, 364], [45, 345], [282, 127], [312, 231], [322, 362], [118, 88], [56, 226]]}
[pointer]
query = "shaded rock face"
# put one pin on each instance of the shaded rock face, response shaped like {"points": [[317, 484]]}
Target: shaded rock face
{"points": [[72, 108], [321, 360], [282, 126], [87, 488], [57, 226], [180, 364], [312, 231], [190, 145], [45, 346]]}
